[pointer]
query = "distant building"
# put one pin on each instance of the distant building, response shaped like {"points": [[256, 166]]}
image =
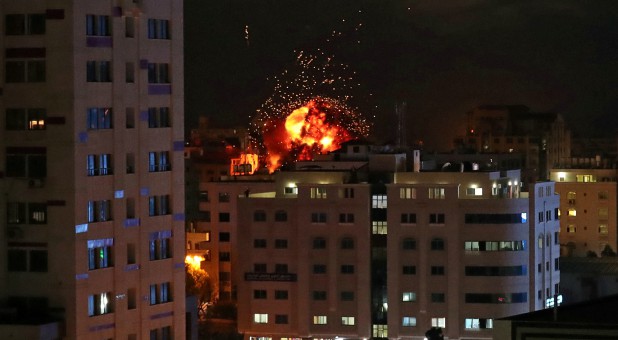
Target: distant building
{"points": [[359, 245], [588, 200], [588, 278], [91, 170], [543, 138]]}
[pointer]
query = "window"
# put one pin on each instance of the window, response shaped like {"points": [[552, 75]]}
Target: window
{"points": [[348, 193], [24, 24], [259, 243], [281, 216], [158, 73], [319, 295], [409, 243], [224, 217], [379, 202], [129, 118], [224, 237], [319, 320], [407, 193], [158, 117], [474, 191], [438, 322], [347, 296], [259, 294], [98, 25], [224, 256], [603, 230], [164, 333], [408, 297], [99, 165], [16, 213], [159, 161], [603, 195], [318, 217], [571, 228], [224, 197], [347, 321], [436, 218], [158, 29], [98, 71], [281, 244], [100, 253], [495, 245], [346, 218], [319, 268], [438, 297], [347, 269], [572, 212], [160, 293], [408, 321], [409, 270], [436, 193], [260, 318], [26, 162], [281, 268], [437, 270], [99, 304], [159, 205], [129, 26], [318, 192], [379, 227], [99, 211], [281, 319], [258, 267], [437, 244], [160, 245], [259, 216], [99, 118], [37, 213], [603, 213], [27, 260], [290, 190], [281, 294], [347, 243], [478, 323], [25, 119], [319, 243], [499, 298], [408, 218], [25, 70]]}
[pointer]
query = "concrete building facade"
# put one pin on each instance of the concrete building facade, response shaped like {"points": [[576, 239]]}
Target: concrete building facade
{"points": [[92, 169]]}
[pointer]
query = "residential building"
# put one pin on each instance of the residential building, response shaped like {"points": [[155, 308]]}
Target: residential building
{"points": [[359, 246], [588, 208], [91, 170]]}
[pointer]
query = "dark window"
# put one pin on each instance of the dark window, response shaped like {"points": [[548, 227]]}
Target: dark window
{"points": [[347, 243], [408, 218], [281, 319], [224, 217], [437, 270], [437, 244], [346, 218], [347, 296], [319, 295], [409, 270], [158, 29], [281, 268], [158, 117], [319, 268], [494, 218], [224, 197], [436, 218], [281, 294], [347, 269], [259, 294], [281, 216], [224, 256], [259, 243], [409, 244], [319, 243], [438, 297], [496, 270], [17, 260], [259, 216], [224, 237], [496, 298], [318, 217], [281, 244], [259, 267]]}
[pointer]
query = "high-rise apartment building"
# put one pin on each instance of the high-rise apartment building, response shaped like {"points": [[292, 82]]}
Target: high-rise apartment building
{"points": [[91, 170], [362, 247]]}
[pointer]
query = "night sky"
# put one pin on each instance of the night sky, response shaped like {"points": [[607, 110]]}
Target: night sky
{"points": [[441, 57]]}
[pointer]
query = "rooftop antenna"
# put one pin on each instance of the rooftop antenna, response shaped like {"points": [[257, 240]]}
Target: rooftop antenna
{"points": [[401, 112]]}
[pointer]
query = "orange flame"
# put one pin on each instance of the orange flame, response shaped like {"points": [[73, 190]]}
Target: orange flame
{"points": [[307, 130]]}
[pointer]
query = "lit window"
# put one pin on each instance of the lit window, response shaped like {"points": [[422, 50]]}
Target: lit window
{"points": [[571, 228], [159, 205], [379, 227], [347, 321], [160, 245], [571, 197], [478, 323], [438, 322], [408, 321], [436, 193], [318, 192], [99, 304], [474, 191], [99, 211], [572, 212], [100, 253], [99, 165], [159, 161], [99, 118], [160, 293], [407, 193], [379, 202], [319, 320], [25, 119], [603, 229], [260, 318], [408, 297], [290, 190], [603, 213]]}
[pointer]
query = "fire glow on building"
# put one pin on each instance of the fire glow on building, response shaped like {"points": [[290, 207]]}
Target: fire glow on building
{"points": [[308, 113]]}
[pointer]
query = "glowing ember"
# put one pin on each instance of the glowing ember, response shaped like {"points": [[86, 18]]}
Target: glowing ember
{"points": [[194, 261], [308, 113]]}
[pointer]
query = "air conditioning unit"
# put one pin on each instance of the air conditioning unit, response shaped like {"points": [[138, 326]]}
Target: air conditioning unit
{"points": [[35, 183], [14, 233]]}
